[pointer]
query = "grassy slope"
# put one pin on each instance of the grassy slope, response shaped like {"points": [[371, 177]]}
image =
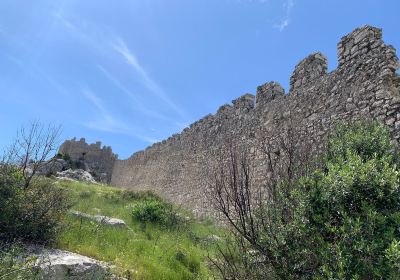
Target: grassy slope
{"points": [[144, 251]]}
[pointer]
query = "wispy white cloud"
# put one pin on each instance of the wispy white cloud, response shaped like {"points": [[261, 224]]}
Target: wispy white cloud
{"points": [[282, 25], [109, 123], [93, 42], [118, 84], [288, 6], [139, 105], [99, 39], [121, 48]]}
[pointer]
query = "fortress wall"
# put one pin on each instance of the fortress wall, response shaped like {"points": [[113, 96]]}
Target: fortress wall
{"points": [[364, 86]]}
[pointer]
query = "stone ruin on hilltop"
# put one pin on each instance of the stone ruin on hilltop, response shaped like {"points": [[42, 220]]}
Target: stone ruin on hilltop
{"points": [[94, 158]]}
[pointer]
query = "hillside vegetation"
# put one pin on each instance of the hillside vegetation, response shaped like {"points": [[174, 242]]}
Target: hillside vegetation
{"points": [[157, 249]]}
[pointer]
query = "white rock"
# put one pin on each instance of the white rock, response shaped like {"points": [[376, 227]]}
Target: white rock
{"points": [[77, 174], [100, 219], [63, 265]]}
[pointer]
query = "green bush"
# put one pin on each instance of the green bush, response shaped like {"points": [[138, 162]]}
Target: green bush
{"points": [[139, 195], [32, 214], [152, 211], [353, 207], [366, 139], [65, 157]]}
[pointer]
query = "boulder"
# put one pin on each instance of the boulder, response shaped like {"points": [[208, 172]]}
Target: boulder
{"points": [[100, 219], [63, 265], [77, 174]]}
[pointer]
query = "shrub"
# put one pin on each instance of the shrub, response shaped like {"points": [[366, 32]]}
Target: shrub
{"points": [[139, 195], [354, 205], [153, 211], [366, 139], [31, 207], [32, 214]]}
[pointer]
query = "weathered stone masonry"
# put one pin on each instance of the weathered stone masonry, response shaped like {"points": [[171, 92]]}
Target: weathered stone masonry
{"points": [[95, 158], [364, 86]]}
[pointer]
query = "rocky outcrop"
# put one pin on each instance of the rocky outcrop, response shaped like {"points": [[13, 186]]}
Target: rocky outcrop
{"points": [[53, 166], [76, 175], [114, 222]]}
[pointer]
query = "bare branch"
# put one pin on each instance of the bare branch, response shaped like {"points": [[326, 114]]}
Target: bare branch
{"points": [[32, 149]]}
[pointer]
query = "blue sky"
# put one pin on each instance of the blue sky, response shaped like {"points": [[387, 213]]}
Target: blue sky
{"points": [[132, 72]]}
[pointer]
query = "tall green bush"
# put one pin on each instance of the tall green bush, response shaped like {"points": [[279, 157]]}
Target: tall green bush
{"points": [[354, 205], [154, 211], [31, 214]]}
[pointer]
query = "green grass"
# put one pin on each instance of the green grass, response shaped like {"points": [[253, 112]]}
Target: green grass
{"points": [[143, 250]]}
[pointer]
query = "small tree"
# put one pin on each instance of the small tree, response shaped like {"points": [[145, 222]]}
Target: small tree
{"points": [[31, 207], [32, 149], [263, 214]]}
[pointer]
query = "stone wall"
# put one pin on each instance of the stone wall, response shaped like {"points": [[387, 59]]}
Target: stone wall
{"points": [[96, 159], [364, 86]]}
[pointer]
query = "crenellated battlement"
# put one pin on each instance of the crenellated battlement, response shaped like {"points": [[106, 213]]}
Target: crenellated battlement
{"points": [[244, 102], [359, 44], [312, 67], [268, 92], [364, 86]]}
